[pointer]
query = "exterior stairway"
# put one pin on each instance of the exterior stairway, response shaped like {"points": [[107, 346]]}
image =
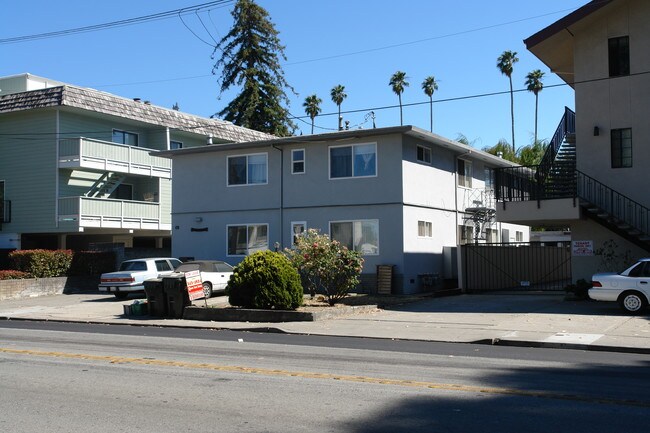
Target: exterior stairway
{"points": [[105, 185], [557, 177]]}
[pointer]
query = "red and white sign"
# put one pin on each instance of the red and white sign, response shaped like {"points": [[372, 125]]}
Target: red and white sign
{"points": [[582, 248], [194, 285]]}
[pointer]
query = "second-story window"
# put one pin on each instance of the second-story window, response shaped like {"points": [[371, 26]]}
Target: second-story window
{"points": [[125, 137], [173, 145], [297, 161], [358, 160], [424, 154], [489, 178], [464, 173], [247, 169], [621, 148], [619, 56]]}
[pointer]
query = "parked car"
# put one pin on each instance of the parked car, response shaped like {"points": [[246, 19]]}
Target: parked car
{"points": [[131, 275], [214, 274], [630, 288]]}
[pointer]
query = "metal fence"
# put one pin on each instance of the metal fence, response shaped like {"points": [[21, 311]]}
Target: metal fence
{"points": [[527, 266]]}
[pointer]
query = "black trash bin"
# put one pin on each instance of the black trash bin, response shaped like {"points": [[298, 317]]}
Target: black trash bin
{"points": [[177, 296], [156, 298]]}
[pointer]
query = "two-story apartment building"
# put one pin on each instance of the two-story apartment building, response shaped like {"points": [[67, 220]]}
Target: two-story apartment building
{"points": [[401, 196], [76, 168], [594, 176]]}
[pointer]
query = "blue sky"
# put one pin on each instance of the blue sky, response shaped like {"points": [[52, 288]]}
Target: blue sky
{"points": [[358, 44]]}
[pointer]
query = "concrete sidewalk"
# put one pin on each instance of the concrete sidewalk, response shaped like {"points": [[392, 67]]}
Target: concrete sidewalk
{"points": [[538, 320]]}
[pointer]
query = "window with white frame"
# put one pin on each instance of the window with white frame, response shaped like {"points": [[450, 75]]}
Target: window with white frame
{"points": [[358, 160], [489, 178], [519, 236], [246, 239], [297, 229], [247, 169], [297, 161], [464, 173], [425, 229], [424, 154], [360, 235], [173, 144], [491, 236], [466, 234], [125, 137]]}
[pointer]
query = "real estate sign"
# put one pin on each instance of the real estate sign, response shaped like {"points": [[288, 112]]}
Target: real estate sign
{"points": [[194, 285]]}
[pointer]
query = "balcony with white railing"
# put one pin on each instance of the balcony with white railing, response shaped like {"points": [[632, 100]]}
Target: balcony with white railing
{"points": [[94, 154], [89, 212]]}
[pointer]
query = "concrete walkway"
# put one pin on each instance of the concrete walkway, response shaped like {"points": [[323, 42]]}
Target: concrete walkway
{"points": [[538, 320]]}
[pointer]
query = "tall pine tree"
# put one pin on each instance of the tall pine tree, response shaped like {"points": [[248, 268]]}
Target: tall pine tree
{"points": [[251, 53]]}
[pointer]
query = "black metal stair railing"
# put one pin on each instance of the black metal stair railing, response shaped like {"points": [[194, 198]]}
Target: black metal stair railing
{"points": [[566, 126], [612, 205]]}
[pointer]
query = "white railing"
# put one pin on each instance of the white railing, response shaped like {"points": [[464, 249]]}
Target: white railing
{"points": [[109, 213], [107, 156]]}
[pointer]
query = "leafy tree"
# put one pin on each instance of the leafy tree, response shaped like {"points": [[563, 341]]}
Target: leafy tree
{"points": [[532, 154], [503, 149], [534, 84], [325, 265], [338, 95], [505, 64], [251, 53], [429, 85], [398, 83], [312, 108]]}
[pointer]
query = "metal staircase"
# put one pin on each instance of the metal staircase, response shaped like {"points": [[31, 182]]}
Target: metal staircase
{"points": [[105, 185], [557, 177]]}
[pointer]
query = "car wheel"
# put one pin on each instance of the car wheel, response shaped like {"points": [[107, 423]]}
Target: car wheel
{"points": [[632, 302], [121, 295], [207, 289]]}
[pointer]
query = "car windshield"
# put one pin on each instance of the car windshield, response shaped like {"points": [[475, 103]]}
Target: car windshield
{"points": [[133, 266]]}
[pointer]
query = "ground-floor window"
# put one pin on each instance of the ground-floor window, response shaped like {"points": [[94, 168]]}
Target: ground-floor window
{"points": [[246, 239], [491, 236], [297, 228], [466, 234], [519, 236], [360, 235]]}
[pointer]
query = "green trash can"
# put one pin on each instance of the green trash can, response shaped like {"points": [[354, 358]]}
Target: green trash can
{"points": [[156, 298], [177, 296]]}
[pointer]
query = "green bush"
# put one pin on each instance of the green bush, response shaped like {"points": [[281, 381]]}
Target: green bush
{"points": [[42, 263], [325, 266], [13, 275], [90, 263], [265, 280]]}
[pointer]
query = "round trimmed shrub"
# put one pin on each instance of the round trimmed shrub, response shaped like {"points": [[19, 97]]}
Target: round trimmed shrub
{"points": [[265, 280]]}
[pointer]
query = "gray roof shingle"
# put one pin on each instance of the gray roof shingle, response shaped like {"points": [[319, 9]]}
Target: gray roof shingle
{"points": [[106, 103]]}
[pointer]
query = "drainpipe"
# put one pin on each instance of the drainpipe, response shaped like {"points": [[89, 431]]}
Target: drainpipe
{"points": [[459, 262], [281, 195], [57, 142]]}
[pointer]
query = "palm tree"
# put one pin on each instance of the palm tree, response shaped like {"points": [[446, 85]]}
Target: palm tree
{"points": [[312, 108], [505, 63], [398, 83], [429, 85], [338, 95], [534, 84]]}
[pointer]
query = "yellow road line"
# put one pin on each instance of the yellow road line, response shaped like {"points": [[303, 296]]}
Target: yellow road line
{"points": [[328, 376]]}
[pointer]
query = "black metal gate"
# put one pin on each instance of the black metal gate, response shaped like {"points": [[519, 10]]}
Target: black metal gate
{"points": [[525, 266]]}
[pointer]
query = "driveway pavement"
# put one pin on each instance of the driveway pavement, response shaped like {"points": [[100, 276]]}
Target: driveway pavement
{"points": [[539, 320]]}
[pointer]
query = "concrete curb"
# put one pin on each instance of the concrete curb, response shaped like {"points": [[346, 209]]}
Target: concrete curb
{"points": [[268, 316], [484, 341]]}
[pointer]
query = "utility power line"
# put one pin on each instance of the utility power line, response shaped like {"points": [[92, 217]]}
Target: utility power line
{"points": [[119, 23]]}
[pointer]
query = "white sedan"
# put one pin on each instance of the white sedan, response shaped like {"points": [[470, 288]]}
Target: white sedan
{"points": [[630, 288], [214, 274]]}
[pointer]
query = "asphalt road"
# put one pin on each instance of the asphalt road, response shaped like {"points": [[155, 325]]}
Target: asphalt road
{"points": [[68, 377]]}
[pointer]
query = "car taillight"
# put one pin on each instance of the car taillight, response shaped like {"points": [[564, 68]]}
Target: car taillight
{"points": [[596, 284]]}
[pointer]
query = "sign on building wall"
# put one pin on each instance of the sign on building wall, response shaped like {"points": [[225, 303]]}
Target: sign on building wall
{"points": [[582, 248]]}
